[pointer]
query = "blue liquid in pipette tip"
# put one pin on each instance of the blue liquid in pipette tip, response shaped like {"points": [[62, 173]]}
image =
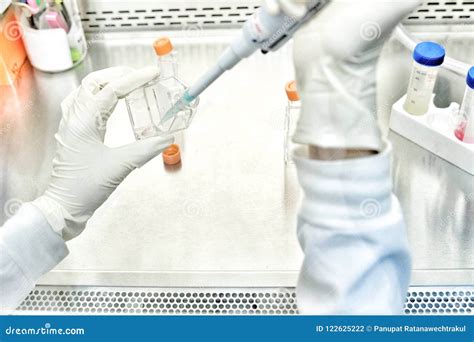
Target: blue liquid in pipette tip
{"points": [[179, 106]]}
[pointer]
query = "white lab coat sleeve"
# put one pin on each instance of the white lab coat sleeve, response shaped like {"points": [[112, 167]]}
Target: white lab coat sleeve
{"points": [[29, 248], [351, 230]]}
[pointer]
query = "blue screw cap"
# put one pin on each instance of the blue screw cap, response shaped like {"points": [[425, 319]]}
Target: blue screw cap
{"points": [[429, 54], [470, 78]]}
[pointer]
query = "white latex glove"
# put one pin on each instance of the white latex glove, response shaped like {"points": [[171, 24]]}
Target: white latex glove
{"points": [[335, 58], [293, 8], [85, 171]]}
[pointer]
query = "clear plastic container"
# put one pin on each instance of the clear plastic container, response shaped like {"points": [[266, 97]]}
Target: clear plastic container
{"points": [[465, 128], [428, 56], [148, 105], [291, 119], [53, 37]]}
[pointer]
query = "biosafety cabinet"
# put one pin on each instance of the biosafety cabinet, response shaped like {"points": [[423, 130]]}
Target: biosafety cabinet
{"points": [[217, 235]]}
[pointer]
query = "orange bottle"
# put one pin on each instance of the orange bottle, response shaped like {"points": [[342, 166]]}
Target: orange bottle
{"points": [[12, 51]]}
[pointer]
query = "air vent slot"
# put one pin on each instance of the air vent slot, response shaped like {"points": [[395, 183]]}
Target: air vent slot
{"points": [[99, 15], [443, 13]]}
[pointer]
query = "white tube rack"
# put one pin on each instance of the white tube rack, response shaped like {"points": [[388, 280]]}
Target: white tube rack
{"points": [[434, 131]]}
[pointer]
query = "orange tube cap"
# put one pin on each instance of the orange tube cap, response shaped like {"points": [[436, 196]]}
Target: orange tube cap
{"points": [[291, 91], [172, 155], [163, 46]]}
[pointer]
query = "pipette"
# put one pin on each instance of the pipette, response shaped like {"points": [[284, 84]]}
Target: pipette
{"points": [[261, 31]]}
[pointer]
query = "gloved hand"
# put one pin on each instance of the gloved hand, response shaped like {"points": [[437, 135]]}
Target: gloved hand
{"points": [[335, 58], [292, 8], [85, 171]]}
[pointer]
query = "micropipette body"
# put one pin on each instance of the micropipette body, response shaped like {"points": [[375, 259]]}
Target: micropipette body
{"points": [[261, 31]]}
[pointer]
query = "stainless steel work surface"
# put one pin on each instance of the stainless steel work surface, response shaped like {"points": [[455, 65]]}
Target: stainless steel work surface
{"points": [[438, 204], [227, 216]]}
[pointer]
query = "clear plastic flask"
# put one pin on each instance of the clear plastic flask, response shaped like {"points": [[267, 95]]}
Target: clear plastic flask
{"points": [[428, 57], [465, 128], [291, 119], [148, 105]]}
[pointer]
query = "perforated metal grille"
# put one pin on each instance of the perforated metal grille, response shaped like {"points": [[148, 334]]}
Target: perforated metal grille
{"points": [[161, 301], [254, 301], [190, 15], [442, 301]]}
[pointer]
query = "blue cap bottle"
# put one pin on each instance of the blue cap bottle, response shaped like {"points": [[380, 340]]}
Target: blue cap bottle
{"points": [[428, 57]]}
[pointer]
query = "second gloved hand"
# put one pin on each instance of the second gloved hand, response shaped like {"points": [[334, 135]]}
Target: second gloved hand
{"points": [[85, 171], [335, 57]]}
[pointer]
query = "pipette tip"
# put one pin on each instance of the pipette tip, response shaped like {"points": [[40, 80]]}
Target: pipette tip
{"points": [[183, 101]]}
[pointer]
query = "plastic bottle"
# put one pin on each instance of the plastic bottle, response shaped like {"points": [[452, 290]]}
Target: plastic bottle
{"points": [[428, 57], [465, 129], [291, 119]]}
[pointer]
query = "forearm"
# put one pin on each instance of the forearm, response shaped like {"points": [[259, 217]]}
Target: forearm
{"points": [[321, 153], [353, 236], [29, 248]]}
